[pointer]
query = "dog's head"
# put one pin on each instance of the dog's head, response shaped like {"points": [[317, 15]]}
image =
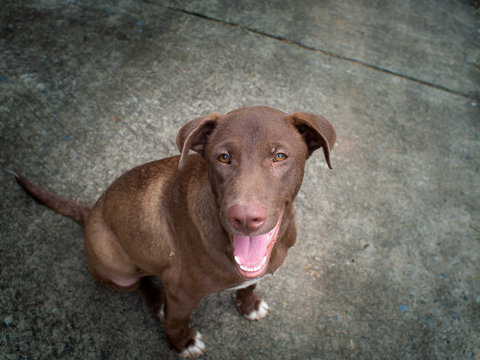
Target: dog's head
{"points": [[256, 159]]}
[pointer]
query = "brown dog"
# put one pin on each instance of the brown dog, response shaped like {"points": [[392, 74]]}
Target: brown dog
{"points": [[201, 223]]}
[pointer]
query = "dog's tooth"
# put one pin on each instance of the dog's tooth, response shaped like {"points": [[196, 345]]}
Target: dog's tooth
{"points": [[246, 268], [237, 260], [251, 268], [264, 260]]}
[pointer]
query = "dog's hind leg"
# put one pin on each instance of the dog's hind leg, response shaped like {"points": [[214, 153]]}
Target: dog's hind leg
{"points": [[151, 294]]}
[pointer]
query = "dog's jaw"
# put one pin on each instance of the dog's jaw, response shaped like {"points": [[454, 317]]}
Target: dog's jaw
{"points": [[252, 253]]}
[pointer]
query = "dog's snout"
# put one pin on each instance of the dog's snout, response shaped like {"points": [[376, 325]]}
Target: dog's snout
{"points": [[246, 218]]}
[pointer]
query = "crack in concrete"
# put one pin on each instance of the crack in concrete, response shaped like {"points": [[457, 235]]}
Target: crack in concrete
{"points": [[321, 51]]}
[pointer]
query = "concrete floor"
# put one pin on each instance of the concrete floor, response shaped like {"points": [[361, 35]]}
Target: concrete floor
{"points": [[387, 263]]}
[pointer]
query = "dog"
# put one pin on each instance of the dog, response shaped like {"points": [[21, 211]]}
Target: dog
{"points": [[220, 218]]}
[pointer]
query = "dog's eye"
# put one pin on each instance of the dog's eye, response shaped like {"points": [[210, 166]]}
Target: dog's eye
{"points": [[279, 157], [224, 158]]}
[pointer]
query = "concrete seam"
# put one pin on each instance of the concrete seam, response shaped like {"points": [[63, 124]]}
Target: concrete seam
{"points": [[321, 51]]}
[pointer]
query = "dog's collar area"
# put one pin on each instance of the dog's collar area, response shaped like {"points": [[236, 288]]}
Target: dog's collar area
{"points": [[247, 283]]}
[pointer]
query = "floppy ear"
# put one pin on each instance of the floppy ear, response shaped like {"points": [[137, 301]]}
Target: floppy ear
{"points": [[316, 131], [194, 135]]}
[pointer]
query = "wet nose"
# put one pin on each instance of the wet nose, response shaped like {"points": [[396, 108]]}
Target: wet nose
{"points": [[246, 218]]}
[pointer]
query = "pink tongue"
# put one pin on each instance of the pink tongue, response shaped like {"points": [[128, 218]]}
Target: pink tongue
{"points": [[250, 250]]}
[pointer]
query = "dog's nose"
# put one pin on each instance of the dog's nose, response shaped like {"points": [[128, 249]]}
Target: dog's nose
{"points": [[246, 218]]}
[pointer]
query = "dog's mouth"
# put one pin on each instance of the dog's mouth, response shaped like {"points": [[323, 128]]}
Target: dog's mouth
{"points": [[252, 253]]}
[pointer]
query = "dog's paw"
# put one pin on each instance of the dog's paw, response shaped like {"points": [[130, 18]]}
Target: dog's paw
{"points": [[160, 314], [262, 312], [196, 349]]}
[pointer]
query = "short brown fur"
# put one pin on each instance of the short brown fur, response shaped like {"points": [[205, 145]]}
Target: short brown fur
{"points": [[172, 218]]}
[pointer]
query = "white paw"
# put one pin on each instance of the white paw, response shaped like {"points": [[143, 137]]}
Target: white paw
{"points": [[197, 349], [262, 311], [161, 313]]}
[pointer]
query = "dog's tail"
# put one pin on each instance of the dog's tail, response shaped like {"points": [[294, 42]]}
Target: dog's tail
{"points": [[63, 206]]}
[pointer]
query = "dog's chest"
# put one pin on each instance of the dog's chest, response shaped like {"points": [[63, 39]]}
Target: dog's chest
{"points": [[247, 283]]}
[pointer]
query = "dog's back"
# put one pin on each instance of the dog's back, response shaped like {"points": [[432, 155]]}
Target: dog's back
{"points": [[218, 219]]}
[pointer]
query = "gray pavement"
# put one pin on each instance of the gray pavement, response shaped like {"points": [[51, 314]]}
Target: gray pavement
{"points": [[387, 261]]}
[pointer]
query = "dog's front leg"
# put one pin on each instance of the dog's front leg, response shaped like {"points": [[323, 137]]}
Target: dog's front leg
{"points": [[178, 308], [250, 304]]}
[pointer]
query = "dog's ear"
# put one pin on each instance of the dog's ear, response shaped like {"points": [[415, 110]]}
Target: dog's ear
{"points": [[316, 131], [194, 135]]}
